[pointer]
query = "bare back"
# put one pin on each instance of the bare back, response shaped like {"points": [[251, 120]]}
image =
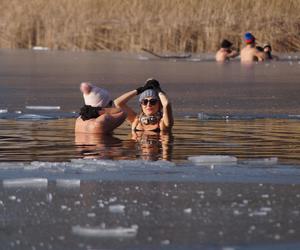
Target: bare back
{"points": [[251, 54], [223, 55], [104, 124]]}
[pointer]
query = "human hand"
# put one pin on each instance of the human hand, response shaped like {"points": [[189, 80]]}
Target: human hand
{"points": [[153, 84]]}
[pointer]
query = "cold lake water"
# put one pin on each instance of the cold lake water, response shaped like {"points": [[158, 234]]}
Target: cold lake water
{"points": [[227, 177]]}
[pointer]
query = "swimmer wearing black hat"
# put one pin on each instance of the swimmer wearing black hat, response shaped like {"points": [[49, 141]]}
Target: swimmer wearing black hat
{"points": [[155, 108], [226, 52]]}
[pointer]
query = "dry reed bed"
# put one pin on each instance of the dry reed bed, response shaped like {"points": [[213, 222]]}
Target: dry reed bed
{"points": [[159, 25]]}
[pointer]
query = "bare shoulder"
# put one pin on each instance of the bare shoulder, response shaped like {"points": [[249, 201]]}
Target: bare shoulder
{"points": [[220, 55], [87, 126], [104, 124]]}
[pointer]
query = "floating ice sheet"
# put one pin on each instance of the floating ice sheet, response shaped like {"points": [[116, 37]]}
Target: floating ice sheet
{"points": [[43, 107], [262, 161], [68, 183], [25, 182], [3, 111], [119, 232], [213, 159], [34, 117], [40, 48], [105, 163], [118, 208]]}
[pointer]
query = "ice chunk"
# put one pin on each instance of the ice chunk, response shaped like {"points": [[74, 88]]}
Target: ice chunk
{"points": [[68, 183], [146, 213], [258, 213], [213, 159], [25, 182], [165, 242], [91, 215], [119, 232], [187, 210], [105, 163], [12, 198], [140, 57], [202, 116], [266, 209], [195, 59], [40, 48], [34, 117], [116, 208], [43, 107], [49, 197], [262, 161], [3, 111]]}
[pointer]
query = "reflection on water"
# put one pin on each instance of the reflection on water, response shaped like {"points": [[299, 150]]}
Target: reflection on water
{"points": [[248, 139]]}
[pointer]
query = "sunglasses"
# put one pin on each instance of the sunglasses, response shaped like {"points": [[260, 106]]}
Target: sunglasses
{"points": [[151, 102]]}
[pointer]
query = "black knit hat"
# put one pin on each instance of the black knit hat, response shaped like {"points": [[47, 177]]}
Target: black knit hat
{"points": [[226, 44]]}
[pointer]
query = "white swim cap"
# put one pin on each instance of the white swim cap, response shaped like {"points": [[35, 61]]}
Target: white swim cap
{"points": [[97, 97]]}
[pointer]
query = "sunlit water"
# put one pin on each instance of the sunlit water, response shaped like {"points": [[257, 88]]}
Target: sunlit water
{"points": [[227, 177]]}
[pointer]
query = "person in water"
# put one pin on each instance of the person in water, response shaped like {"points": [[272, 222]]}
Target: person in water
{"points": [[250, 53], [98, 115], [155, 108], [268, 51], [226, 52]]}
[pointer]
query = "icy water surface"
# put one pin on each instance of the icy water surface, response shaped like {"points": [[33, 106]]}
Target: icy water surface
{"points": [[227, 177]]}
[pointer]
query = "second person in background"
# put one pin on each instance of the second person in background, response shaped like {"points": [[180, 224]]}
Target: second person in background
{"points": [[226, 52], [250, 53]]}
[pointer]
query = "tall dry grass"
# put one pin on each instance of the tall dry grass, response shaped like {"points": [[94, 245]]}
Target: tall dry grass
{"points": [[159, 25]]}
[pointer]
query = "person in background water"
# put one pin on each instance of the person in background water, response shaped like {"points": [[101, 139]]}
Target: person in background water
{"points": [[226, 52], [268, 51], [97, 115], [250, 53], [155, 108]]}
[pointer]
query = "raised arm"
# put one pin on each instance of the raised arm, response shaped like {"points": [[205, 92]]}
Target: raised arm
{"points": [[261, 56], [121, 102], [233, 53], [167, 120]]}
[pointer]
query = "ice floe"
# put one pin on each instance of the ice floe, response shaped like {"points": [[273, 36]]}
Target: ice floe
{"points": [[212, 159], [118, 208], [68, 183], [3, 111], [40, 48], [26, 182], [119, 232], [261, 161], [34, 117], [43, 107]]}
